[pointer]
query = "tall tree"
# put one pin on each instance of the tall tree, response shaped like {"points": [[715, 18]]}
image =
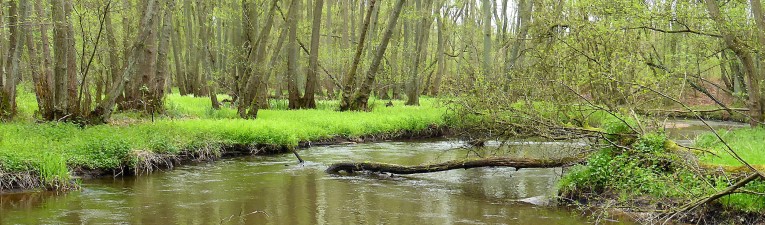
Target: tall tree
{"points": [[292, 55], [8, 92], [349, 81], [312, 82], [486, 64], [361, 97], [103, 111], [421, 44], [254, 94], [735, 44], [158, 84], [206, 52]]}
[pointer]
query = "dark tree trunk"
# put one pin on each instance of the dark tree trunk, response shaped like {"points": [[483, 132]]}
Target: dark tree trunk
{"points": [[312, 82], [361, 97], [520, 163], [349, 84]]}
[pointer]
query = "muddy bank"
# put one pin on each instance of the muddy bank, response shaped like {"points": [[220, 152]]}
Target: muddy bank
{"points": [[645, 212], [148, 162]]}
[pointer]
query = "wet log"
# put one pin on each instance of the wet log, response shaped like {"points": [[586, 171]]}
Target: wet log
{"points": [[518, 163]]}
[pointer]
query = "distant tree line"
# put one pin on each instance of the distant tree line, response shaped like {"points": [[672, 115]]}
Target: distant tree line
{"points": [[87, 58]]}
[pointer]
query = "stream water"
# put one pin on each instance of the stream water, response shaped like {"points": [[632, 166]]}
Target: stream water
{"points": [[276, 190]]}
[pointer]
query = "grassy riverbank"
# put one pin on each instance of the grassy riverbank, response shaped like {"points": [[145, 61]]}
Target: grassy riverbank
{"points": [[748, 143], [46, 155], [653, 177]]}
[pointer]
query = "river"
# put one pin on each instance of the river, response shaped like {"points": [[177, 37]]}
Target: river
{"points": [[277, 190]]}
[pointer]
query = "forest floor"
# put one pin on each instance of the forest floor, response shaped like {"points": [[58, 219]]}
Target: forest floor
{"points": [[52, 155]]}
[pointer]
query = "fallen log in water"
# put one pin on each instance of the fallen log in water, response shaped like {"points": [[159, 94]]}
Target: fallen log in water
{"points": [[518, 163]]}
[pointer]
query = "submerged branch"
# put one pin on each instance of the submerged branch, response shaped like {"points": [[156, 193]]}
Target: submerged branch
{"points": [[518, 163]]}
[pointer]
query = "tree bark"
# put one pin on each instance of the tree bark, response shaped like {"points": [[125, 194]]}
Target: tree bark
{"points": [[180, 73], [518, 163], [8, 95], [349, 82], [104, 109], [486, 65], [208, 82], [254, 96], [421, 43], [40, 75], [292, 54], [361, 97], [747, 60], [160, 79], [311, 83]]}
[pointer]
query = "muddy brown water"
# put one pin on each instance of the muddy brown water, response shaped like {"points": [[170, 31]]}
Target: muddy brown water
{"points": [[276, 190]]}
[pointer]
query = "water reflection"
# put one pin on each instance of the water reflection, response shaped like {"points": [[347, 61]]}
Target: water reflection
{"points": [[273, 190]]}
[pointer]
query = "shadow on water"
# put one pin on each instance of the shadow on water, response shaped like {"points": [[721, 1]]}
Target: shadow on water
{"points": [[275, 190]]}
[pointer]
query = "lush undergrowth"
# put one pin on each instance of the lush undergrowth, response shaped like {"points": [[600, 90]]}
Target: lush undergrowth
{"points": [[523, 114], [52, 150], [652, 175]]}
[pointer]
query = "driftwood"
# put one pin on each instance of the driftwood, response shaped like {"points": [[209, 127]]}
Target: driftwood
{"points": [[518, 163]]}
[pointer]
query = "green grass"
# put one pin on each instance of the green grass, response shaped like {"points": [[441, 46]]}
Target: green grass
{"points": [[654, 175], [747, 142], [51, 150]]}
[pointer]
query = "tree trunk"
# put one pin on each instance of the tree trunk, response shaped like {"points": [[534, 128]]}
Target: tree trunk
{"points": [[361, 97], [311, 83], [251, 96], [421, 43], [160, 79], [759, 19], [519, 163], [747, 60], [73, 108], [436, 86], [349, 83], [192, 61], [40, 75], [180, 73], [525, 7], [103, 110], [8, 95], [208, 81], [292, 56], [111, 41], [486, 65], [60, 49]]}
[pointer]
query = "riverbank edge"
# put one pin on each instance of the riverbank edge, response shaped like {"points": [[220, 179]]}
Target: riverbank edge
{"points": [[715, 213], [603, 205], [148, 162], [716, 115]]}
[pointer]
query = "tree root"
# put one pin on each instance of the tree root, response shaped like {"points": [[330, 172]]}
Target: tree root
{"points": [[518, 163]]}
